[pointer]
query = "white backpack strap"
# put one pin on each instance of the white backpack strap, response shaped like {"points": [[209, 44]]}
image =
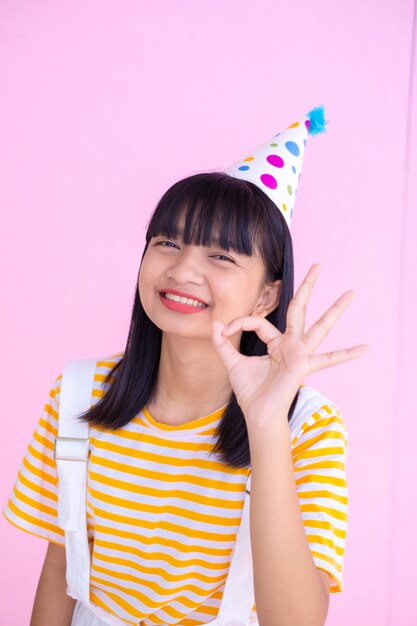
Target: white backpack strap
{"points": [[72, 444], [238, 594], [71, 453]]}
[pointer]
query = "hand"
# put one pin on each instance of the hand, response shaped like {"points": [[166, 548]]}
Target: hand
{"points": [[265, 386]]}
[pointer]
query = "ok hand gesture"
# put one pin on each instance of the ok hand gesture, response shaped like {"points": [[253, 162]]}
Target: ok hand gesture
{"points": [[265, 386]]}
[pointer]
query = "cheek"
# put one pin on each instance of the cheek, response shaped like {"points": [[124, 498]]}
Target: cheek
{"points": [[145, 293], [144, 280], [142, 274], [236, 297], [249, 296]]}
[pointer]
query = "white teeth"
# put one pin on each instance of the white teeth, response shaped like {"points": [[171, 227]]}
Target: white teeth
{"points": [[197, 303]]}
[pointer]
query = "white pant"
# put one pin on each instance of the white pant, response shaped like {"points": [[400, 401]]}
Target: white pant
{"points": [[82, 616]]}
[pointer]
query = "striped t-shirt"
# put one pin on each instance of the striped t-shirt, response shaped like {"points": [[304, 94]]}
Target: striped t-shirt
{"points": [[163, 514]]}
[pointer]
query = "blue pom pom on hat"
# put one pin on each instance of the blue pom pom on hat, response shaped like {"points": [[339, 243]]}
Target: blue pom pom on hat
{"points": [[275, 166]]}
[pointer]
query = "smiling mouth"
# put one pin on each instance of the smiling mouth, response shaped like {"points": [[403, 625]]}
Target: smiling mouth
{"points": [[183, 300]]}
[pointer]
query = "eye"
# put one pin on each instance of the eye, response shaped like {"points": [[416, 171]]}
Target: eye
{"points": [[223, 257], [165, 243], [159, 243]]}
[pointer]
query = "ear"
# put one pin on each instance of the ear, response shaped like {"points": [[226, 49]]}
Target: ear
{"points": [[268, 299]]}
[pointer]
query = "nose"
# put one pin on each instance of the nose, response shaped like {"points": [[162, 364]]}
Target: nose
{"points": [[186, 267]]}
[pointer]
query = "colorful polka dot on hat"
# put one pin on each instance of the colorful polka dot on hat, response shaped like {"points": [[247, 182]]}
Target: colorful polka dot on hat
{"points": [[275, 167]]}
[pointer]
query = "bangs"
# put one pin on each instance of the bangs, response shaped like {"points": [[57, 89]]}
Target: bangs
{"points": [[211, 209]]}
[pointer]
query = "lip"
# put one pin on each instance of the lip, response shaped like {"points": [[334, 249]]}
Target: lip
{"points": [[182, 294]]}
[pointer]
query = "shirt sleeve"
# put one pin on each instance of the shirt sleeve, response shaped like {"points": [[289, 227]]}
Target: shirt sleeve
{"points": [[33, 503], [319, 455]]}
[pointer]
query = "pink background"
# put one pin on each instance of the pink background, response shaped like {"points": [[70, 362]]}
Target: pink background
{"points": [[103, 105]]}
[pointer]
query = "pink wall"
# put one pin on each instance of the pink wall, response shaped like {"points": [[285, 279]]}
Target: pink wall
{"points": [[103, 105]]}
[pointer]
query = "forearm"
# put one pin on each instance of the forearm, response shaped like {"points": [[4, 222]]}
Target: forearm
{"points": [[52, 605], [287, 584]]}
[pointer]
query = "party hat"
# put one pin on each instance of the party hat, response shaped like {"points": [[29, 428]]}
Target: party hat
{"points": [[275, 167]]}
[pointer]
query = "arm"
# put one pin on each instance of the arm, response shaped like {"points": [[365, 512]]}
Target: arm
{"points": [[52, 606], [289, 589]]}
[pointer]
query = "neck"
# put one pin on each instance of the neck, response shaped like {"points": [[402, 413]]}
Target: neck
{"points": [[192, 381]]}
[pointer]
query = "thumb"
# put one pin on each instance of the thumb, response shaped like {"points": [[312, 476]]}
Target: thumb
{"points": [[224, 347]]}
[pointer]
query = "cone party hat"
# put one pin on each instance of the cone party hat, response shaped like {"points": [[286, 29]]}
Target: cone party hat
{"points": [[275, 167]]}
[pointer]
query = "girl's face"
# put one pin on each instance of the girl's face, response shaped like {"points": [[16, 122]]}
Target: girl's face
{"points": [[228, 283]]}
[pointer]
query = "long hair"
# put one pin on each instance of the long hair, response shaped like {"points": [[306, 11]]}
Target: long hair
{"points": [[246, 219]]}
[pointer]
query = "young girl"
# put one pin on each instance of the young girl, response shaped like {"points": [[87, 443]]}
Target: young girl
{"points": [[207, 393]]}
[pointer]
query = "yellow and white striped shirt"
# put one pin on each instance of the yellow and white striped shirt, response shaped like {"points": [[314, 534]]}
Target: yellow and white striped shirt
{"points": [[163, 514]]}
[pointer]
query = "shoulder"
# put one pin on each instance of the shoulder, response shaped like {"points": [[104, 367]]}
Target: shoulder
{"points": [[102, 377], [104, 365], [313, 407]]}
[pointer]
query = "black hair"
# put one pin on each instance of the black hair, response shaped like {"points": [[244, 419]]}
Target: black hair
{"points": [[246, 219]]}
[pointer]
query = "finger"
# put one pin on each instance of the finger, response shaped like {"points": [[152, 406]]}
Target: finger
{"points": [[320, 329], [328, 359], [297, 308], [224, 348], [266, 331]]}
